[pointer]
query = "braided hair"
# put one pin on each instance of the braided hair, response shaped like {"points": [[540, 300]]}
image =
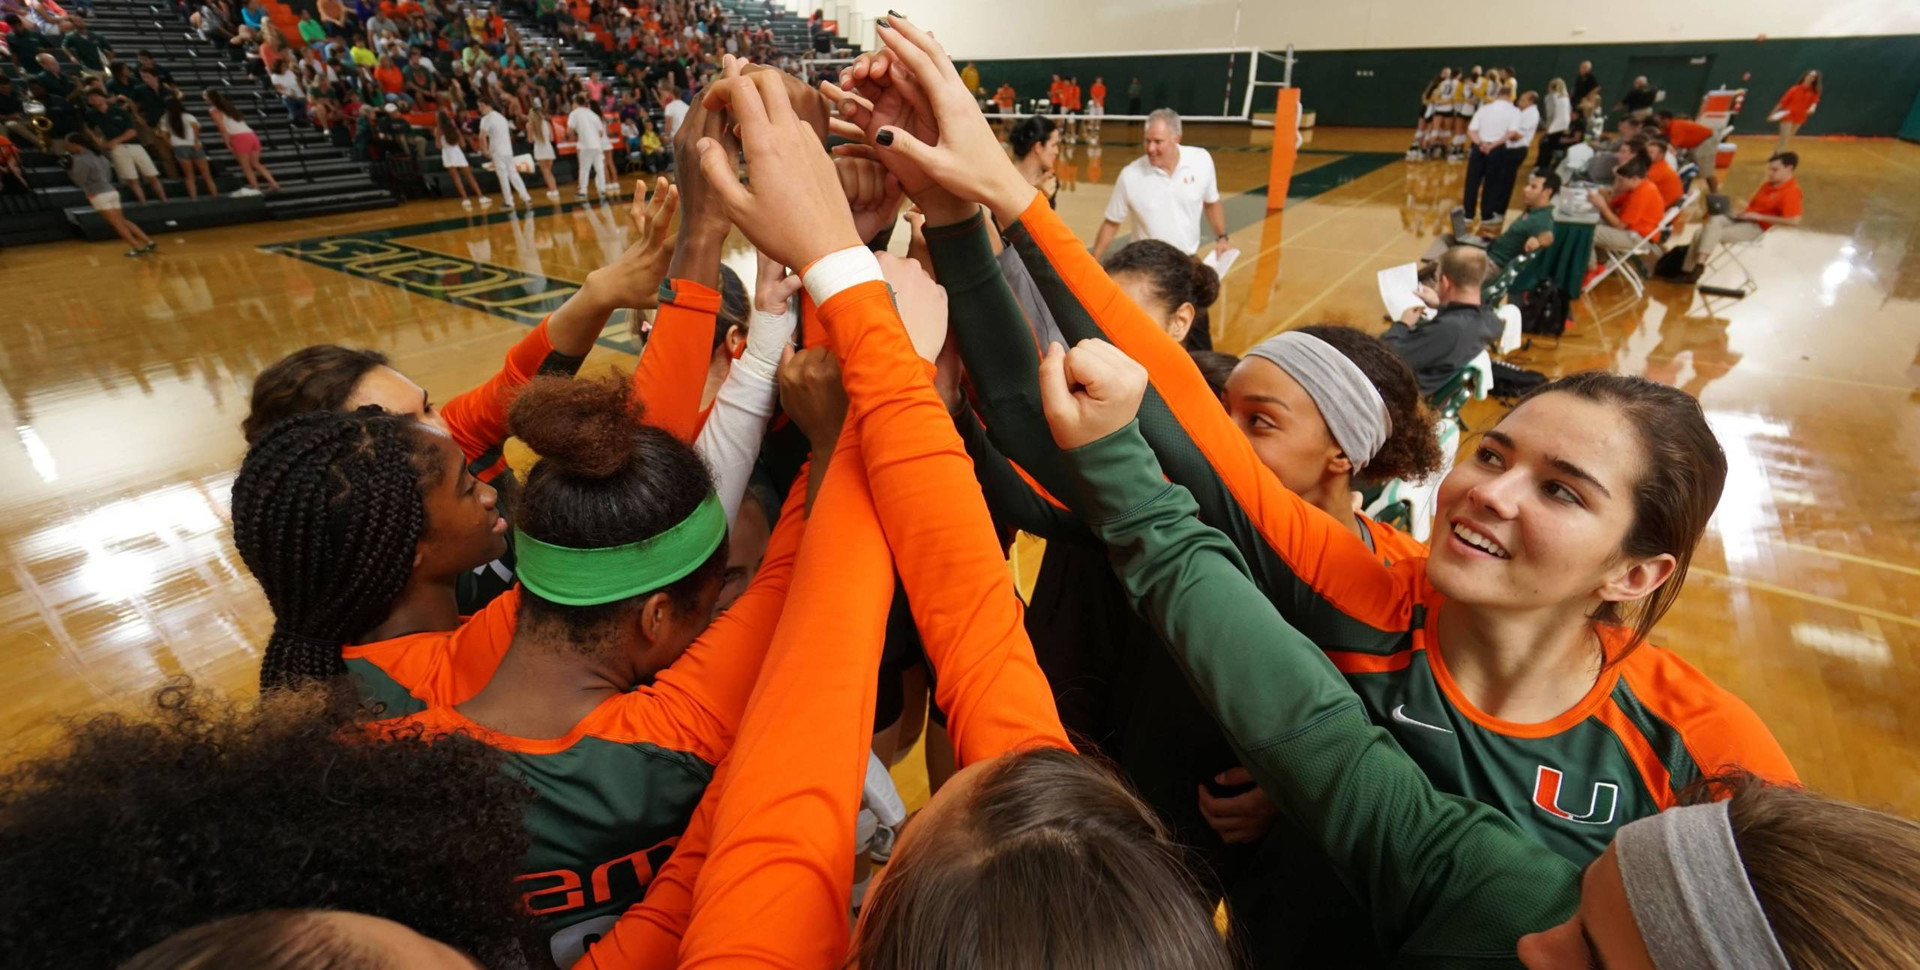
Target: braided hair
{"points": [[327, 512]]}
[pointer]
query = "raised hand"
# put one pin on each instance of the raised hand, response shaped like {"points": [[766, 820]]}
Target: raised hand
{"points": [[872, 193], [966, 158], [1089, 392], [772, 286], [633, 280], [795, 211], [812, 395], [922, 304]]}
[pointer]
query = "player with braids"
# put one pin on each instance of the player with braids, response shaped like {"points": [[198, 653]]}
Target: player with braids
{"points": [[327, 377], [357, 526]]}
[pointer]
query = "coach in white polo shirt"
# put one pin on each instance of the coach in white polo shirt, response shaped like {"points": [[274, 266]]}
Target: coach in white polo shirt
{"points": [[1162, 194]]}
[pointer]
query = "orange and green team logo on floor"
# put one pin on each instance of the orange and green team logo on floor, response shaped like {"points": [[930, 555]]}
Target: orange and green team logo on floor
{"points": [[526, 298]]}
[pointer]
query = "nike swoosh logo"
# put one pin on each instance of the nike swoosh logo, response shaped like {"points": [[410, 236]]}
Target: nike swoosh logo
{"points": [[1400, 714]]}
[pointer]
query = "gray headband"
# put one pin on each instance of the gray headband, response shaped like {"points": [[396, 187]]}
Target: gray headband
{"points": [[1689, 892], [1355, 412]]}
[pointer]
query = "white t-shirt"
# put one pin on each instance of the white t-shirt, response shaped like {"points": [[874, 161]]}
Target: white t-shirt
{"points": [[190, 139], [1562, 111], [589, 133], [676, 111], [1525, 127], [1162, 205], [1492, 122], [288, 85], [232, 125], [498, 132]]}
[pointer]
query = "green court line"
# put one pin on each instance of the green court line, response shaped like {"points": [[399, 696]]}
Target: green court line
{"points": [[526, 298]]}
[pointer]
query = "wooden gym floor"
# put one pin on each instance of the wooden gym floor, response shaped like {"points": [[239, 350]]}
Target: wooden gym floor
{"points": [[127, 379]]}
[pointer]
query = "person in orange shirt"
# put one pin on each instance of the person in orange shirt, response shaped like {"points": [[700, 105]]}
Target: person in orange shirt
{"points": [[1096, 106], [1661, 173], [1776, 202], [1701, 143], [392, 81], [1795, 107], [1630, 210]]}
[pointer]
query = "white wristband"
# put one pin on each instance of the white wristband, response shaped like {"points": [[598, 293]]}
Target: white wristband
{"points": [[839, 271]]}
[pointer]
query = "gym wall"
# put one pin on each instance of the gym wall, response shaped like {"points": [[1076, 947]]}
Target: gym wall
{"points": [[1364, 62]]}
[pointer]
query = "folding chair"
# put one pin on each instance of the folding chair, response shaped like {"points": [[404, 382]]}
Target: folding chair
{"points": [[1729, 253], [1626, 262]]}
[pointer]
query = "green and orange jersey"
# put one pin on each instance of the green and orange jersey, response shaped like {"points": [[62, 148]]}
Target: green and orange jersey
{"points": [[614, 794], [408, 674], [769, 848], [1650, 726], [672, 372], [477, 421]]}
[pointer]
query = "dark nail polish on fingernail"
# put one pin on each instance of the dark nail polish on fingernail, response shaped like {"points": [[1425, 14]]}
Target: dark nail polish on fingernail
{"points": [[895, 13], [881, 23], [884, 137]]}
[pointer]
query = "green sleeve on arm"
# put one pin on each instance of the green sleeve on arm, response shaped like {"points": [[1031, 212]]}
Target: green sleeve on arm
{"points": [[1014, 503], [998, 347], [1447, 881]]}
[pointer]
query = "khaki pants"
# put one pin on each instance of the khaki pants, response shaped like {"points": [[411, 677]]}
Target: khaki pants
{"points": [[1716, 232], [1616, 240]]}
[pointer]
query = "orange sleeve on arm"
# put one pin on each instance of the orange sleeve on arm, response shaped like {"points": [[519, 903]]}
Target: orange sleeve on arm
{"points": [[672, 371], [778, 878], [477, 418], [1332, 562], [698, 700], [951, 564]]}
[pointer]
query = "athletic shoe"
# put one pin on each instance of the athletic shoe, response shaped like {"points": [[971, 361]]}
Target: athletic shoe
{"points": [[245, 193], [150, 246], [466, 203], [1587, 281], [135, 251], [526, 200], [553, 195], [486, 202]]}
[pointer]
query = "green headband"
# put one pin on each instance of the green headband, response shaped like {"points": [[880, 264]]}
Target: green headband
{"points": [[590, 577]]}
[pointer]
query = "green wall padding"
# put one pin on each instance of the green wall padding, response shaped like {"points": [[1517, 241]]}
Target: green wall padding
{"points": [[1870, 82]]}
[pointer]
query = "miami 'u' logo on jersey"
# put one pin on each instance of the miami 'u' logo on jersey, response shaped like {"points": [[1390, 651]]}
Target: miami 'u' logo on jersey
{"points": [[1600, 809]]}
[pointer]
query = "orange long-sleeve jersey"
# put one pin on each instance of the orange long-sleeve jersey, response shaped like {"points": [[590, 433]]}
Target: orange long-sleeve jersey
{"points": [[968, 616], [411, 673], [1650, 726], [617, 792], [778, 878], [962, 596], [672, 372], [477, 418]]}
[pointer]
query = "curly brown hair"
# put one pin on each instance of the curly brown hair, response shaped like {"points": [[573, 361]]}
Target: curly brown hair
{"points": [[137, 828]]}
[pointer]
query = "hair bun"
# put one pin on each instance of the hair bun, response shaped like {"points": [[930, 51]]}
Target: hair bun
{"points": [[1206, 285], [584, 425]]}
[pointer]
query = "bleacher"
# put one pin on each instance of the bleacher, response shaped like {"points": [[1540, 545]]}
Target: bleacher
{"points": [[316, 177]]}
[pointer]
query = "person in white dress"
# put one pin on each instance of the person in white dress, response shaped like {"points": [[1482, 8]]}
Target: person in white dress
{"points": [[497, 132], [590, 144], [447, 134], [541, 135]]}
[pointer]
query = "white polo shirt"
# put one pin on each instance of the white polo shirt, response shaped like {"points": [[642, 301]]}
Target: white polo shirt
{"points": [[1162, 205], [1493, 121], [589, 135], [676, 112], [1525, 127], [499, 133]]}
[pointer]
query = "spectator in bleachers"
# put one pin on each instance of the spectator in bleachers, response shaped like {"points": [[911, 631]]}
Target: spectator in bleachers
{"points": [[92, 54], [1777, 202], [393, 83], [13, 116], [362, 51], [65, 117], [145, 64], [54, 78], [94, 175], [1630, 209], [333, 18], [183, 136], [1437, 348], [312, 33], [114, 130]]}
